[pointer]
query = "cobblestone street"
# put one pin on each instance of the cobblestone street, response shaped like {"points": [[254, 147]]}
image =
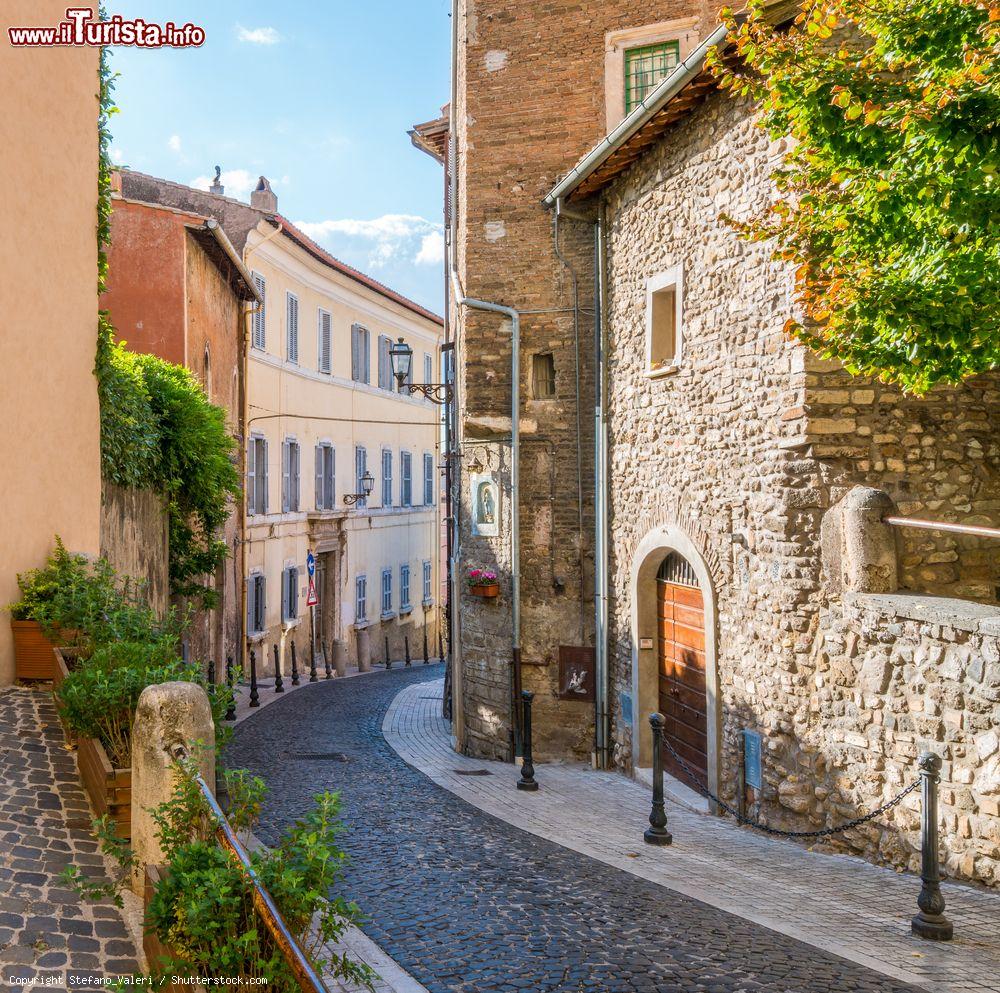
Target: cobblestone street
{"points": [[48, 935], [466, 902]]}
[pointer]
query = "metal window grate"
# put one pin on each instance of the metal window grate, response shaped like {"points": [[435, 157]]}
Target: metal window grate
{"points": [[676, 569], [645, 67]]}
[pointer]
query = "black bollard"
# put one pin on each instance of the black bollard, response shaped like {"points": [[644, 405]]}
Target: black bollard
{"points": [[295, 667], [279, 686], [211, 672], [930, 922], [440, 647], [425, 645], [254, 695], [312, 665], [527, 780], [406, 648], [657, 833], [231, 709], [326, 661], [388, 661]]}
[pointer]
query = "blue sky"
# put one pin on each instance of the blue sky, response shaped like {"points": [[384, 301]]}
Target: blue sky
{"points": [[318, 97]]}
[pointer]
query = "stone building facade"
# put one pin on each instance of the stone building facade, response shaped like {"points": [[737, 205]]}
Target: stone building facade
{"points": [[536, 86], [732, 606]]}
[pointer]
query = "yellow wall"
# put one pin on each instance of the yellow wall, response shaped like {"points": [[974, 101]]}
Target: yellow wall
{"points": [[49, 447], [375, 537]]}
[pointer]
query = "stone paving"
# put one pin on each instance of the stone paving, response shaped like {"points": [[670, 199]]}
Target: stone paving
{"points": [[468, 903], [839, 903], [49, 938]]}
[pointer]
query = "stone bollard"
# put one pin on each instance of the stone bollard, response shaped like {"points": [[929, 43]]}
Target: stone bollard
{"points": [[167, 714], [340, 657], [930, 922], [364, 651], [868, 546]]}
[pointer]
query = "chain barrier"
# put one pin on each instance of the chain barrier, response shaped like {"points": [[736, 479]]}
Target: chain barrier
{"points": [[761, 826]]}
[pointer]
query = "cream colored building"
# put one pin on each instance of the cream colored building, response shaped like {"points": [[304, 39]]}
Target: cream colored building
{"points": [[323, 410]]}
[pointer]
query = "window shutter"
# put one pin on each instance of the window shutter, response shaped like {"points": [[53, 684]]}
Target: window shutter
{"points": [[293, 592], [332, 500], [252, 476], [320, 502], [325, 343], [264, 503], [251, 603], [295, 493], [285, 476], [259, 340], [293, 327], [366, 356], [284, 594]]}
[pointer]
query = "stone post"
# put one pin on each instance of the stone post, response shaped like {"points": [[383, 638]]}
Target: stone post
{"points": [[340, 657], [167, 715], [868, 546], [364, 651]]}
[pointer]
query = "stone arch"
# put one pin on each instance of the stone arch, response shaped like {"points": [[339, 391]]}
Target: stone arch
{"points": [[652, 549]]}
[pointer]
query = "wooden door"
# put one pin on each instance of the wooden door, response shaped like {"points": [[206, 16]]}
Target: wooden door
{"points": [[681, 658]]}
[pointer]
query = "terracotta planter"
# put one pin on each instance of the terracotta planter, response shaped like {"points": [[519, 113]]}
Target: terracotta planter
{"points": [[110, 789], [487, 590], [32, 651]]}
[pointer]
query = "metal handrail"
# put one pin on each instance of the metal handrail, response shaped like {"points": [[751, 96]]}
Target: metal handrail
{"points": [[978, 530], [307, 977]]}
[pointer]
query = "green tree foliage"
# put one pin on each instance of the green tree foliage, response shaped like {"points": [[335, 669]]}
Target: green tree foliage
{"points": [[888, 196]]}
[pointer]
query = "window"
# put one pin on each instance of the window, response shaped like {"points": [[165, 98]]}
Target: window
{"points": [[427, 582], [384, 364], [326, 468], [257, 476], [405, 479], [386, 477], [663, 322], [290, 593], [387, 591], [543, 377], [360, 358], [360, 600], [404, 587], [292, 327], [428, 479], [428, 369], [259, 336], [325, 343], [289, 476], [645, 67], [360, 468], [256, 603]]}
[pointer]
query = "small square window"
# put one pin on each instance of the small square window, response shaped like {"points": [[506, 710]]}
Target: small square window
{"points": [[645, 67], [663, 322], [543, 377]]}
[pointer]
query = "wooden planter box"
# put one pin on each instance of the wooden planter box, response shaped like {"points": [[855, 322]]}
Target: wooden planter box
{"points": [[32, 651], [155, 951], [64, 660], [110, 790], [488, 590]]}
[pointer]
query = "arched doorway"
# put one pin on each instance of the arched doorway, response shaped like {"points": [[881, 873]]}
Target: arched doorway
{"points": [[680, 656]]}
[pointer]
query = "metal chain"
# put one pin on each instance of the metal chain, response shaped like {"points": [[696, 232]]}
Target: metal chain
{"points": [[761, 826]]}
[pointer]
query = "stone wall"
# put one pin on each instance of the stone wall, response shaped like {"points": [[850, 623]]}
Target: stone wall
{"points": [[742, 451]]}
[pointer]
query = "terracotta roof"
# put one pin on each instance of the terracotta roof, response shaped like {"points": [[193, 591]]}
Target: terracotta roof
{"points": [[322, 255]]}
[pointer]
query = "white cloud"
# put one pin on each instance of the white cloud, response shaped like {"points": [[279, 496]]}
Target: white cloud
{"points": [[431, 249], [404, 238], [237, 182], [257, 36], [117, 156], [174, 143]]}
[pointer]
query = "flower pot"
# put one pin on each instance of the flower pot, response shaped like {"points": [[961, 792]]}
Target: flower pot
{"points": [[32, 651], [486, 590], [109, 789]]}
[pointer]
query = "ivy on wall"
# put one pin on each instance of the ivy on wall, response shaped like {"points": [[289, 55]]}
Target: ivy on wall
{"points": [[159, 430]]}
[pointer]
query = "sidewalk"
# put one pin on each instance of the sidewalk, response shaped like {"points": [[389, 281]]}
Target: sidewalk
{"points": [[840, 904]]}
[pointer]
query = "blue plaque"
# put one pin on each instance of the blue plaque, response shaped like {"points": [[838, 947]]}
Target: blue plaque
{"points": [[751, 758], [626, 699]]}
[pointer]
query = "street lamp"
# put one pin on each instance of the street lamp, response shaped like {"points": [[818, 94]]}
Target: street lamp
{"points": [[367, 484], [401, 358]]}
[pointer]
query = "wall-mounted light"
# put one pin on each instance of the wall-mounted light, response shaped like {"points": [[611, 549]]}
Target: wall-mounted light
{"points": [[367, 485], [401, 359]]}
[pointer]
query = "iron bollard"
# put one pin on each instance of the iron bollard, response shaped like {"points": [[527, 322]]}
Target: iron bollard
{"points": [[527, 780], [254, 695], [326, 660], [930, 922], [657, 833], [211, 672], [440, 647], [279, 686], [388, 661], [406, 649], [425, 645], [231, 709], [295, 667], [312, 665]]}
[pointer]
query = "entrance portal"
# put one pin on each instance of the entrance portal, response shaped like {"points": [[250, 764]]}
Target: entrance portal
{"points": [[680, 611]]}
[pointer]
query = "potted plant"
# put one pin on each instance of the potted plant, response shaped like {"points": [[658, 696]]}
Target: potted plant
{"points": [[483, 583]]}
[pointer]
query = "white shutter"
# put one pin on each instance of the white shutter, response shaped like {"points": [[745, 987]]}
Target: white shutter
{"points": [[325, 341], [295, 489], [285, 476], [264, 504], [259, 337], [355, 354], [320, 502], [252, 476], [293, 327]]}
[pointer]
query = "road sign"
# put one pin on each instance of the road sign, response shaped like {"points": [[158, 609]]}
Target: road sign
{"points": [[311, 564], [312, 599]]}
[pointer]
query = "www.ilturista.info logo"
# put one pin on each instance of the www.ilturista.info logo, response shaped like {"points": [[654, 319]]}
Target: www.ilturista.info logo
{"points": [[81, 27]]}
